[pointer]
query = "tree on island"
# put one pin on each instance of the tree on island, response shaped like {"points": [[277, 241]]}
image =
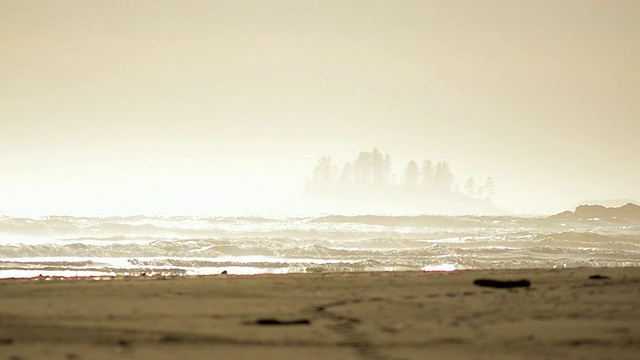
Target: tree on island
{"points": [[369, 168], [489, 189], [443, 180], [484, 192], [367, 183], [471, 188], [411, 174], [372, 170], [426, 173], [346, 176], [324, 175]]}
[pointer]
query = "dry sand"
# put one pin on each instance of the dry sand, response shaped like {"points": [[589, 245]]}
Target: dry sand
{"points": [[379, 315]]}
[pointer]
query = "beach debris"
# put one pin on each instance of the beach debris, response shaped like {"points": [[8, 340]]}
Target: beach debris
{"points": [[124, 346], [598, 277], [172, 339], [224, 272], [272, 321], [6, 341], [393, 328], [502, 284]]}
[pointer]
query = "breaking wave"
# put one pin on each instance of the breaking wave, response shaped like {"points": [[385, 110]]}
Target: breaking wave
{"points": [[183, 245]]}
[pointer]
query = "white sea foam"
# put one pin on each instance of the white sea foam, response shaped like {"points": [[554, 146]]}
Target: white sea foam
{"points": [[78, 246]]}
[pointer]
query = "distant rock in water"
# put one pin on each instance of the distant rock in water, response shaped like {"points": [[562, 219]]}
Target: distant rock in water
{"points": [[584, 212], [607, 202]]}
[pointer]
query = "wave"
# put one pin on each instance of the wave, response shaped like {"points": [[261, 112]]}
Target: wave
{"points": [[414, 221], [199, 245]]}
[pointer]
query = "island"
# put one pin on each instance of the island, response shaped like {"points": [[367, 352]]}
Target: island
{"points": [[630, 211]]}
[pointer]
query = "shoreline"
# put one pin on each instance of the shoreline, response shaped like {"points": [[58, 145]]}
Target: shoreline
{"points": [[366, 315], [97, 275]]}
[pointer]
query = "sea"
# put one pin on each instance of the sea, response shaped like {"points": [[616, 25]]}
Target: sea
{"points": [[70, 246]]}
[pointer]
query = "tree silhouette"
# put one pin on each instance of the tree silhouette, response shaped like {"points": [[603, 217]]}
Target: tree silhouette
{"points": [[489, 189], [372, 170], [411, 174], [389, 178], [471, 188], [426, 173], [377, 167], [324, 174], [346, 176], [443, 179], [362, 168]]}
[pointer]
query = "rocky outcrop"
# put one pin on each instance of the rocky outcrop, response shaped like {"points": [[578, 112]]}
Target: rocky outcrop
{"points": [[629, 211]]}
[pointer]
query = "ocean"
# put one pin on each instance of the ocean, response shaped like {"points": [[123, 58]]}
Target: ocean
{"points": [[185, 245]]}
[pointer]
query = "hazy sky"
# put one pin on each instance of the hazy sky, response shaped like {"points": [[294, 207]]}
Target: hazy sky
{"points": [[213, 106]]}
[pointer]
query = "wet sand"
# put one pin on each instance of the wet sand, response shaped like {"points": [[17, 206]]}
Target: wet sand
{"points": [[564, 314]]}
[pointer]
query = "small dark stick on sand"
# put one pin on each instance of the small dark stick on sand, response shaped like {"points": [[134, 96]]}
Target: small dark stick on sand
{"points": [[598, 277], [502, 284], [270, 321]]}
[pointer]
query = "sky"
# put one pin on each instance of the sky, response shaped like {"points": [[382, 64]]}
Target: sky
{"points": [[214, 107]]}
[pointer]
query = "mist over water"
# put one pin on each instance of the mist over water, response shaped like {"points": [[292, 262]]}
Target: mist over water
{"points": [[212, 107], [187, 245], [317, 107]]}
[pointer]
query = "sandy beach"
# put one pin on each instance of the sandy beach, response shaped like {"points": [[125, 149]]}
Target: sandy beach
{"points": [[564, 314]]}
